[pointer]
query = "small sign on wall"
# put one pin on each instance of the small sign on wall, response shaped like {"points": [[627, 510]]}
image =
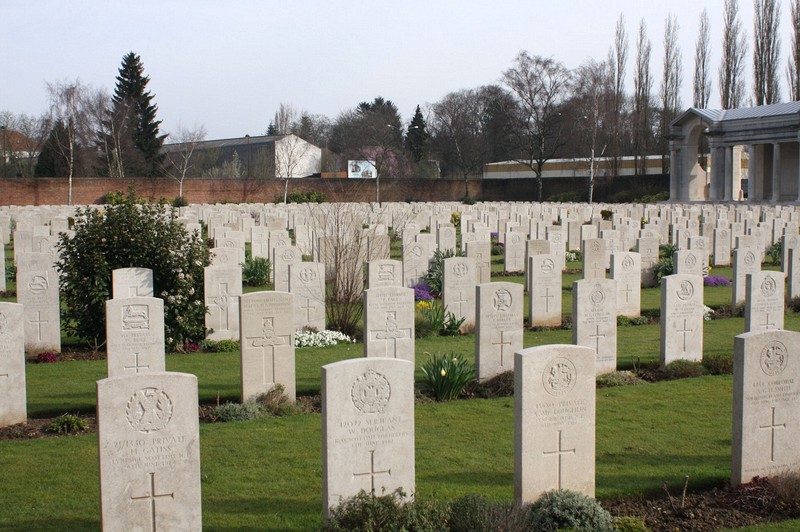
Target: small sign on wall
{"points": [[361, 170]]}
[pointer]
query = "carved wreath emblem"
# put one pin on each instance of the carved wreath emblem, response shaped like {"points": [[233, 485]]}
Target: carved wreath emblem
{"points": [[370, 393], [149, 410]]}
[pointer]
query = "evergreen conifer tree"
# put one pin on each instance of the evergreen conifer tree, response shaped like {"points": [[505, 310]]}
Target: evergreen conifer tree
{"points": [[417, 136], [131, 133]]}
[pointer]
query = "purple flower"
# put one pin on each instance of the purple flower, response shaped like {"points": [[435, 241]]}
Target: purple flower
{"points": [[716, 280], [422, 292], [46, 357]]}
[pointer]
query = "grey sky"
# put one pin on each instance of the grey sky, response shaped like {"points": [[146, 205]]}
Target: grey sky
{"points": [[228, 64]]}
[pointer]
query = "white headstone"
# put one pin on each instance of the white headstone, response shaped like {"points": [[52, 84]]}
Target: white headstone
{"points": [[389, 322], [13, 405], [307, 284], [554, 421], [459, 279], [498, 332], [367, 428], [594, 315], [132, 282], [223, 286], [681, 318], [37, 290], [386, 272], [134, 336], [764, 301], [149, 445]]}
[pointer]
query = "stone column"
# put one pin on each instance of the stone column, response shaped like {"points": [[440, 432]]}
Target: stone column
{"points": [[751, 173], [677, 186], [717, 186], [728, 177], [776, 172]]}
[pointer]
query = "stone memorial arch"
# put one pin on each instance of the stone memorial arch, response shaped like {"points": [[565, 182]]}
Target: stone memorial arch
{"points": [[770, 136]]}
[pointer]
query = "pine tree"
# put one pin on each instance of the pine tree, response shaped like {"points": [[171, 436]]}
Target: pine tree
{"points": [[417, 137], [132, 129]]}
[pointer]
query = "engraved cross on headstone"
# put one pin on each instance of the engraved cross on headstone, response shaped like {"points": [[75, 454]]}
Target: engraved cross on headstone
{"points": [[596, 268], [393, 333], [502, 343], [627, 291], [771, 427], [372, 472], [547, 296], [308, 308], [596, 336], [136, 367], [38, 322], [684, 332], [268, 340], [222, 301], [559, 453], [460, 302], [767, 324], [152, 496]]}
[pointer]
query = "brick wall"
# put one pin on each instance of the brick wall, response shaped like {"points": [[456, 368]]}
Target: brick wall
{"points": [[54, 191]]}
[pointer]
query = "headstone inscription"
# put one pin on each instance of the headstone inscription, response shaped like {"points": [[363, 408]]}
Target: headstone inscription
{"points": [[134, 336], [498, 332]]}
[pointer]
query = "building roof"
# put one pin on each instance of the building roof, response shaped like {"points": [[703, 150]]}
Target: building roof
{"points": [[223, 143], [788, 109]]}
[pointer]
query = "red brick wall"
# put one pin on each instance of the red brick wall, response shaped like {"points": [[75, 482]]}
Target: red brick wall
{"points": [[54, 191]]}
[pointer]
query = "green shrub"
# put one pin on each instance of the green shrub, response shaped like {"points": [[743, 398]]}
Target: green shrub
{"points": [[625, 321], [218, 346], [67, 424], [653, 198], [422, 327], [308, 196], [475, 513], [372, 513], [794, 304], [446, 375], [629, 524], [452, 325], [775, 252], [666, 250], [125, 235], [564, 509], [569, 197], [618, 378], [468, 200], [434, 313], [663, 267], [255, 271], [237, 411], [275, 402], [718, 363], [179, 201], [684, 369], [435, 274]]}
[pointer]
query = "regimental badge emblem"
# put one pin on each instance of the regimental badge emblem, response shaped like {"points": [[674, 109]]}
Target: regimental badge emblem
{"points": [[627, 263], [685, 290], [750, 258], [149, 410], [386, 272], [288, 254], [774, 358], [38, 284], [308, 275], [691, 260], [596, 246], [768, 286], [548, 266], [371, 392], [597, 296], [460, 269], [502, 300], [559, 376], [135, 317]]}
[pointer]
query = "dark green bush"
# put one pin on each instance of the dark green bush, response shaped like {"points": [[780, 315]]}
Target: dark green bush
{"points": [[255, 271], [435, 274], [67, 424], [126, 235], [794, 304], [564, 509], [629, 524], [218, 346], [775, 252], [474, 513], [718, 363], [569, 197], [373, 513], [625, 321], [446, 375], [179, 201], [618, 378], [308, 196], [653, 198], [237, 411], [684, 369]]}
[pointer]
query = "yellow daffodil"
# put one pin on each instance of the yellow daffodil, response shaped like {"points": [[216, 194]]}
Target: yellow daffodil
{"points": [[443, 372]]}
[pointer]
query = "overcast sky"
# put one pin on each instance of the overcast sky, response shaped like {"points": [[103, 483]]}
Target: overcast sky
{"points": [[228, 64]]}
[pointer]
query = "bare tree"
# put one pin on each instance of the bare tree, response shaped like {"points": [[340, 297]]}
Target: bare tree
{"points": [[540, 85], [642, 87], [671, 79], [594, 96], [70, 104], [290, 152], [618, 59], [766, 51], [457, 128], [734, 50], [702, 64], [793, 71], [179, 161], [284, 120], [23, 138]]}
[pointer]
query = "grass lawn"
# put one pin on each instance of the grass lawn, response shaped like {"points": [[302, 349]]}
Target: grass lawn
{"points": [[267, 474]]}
